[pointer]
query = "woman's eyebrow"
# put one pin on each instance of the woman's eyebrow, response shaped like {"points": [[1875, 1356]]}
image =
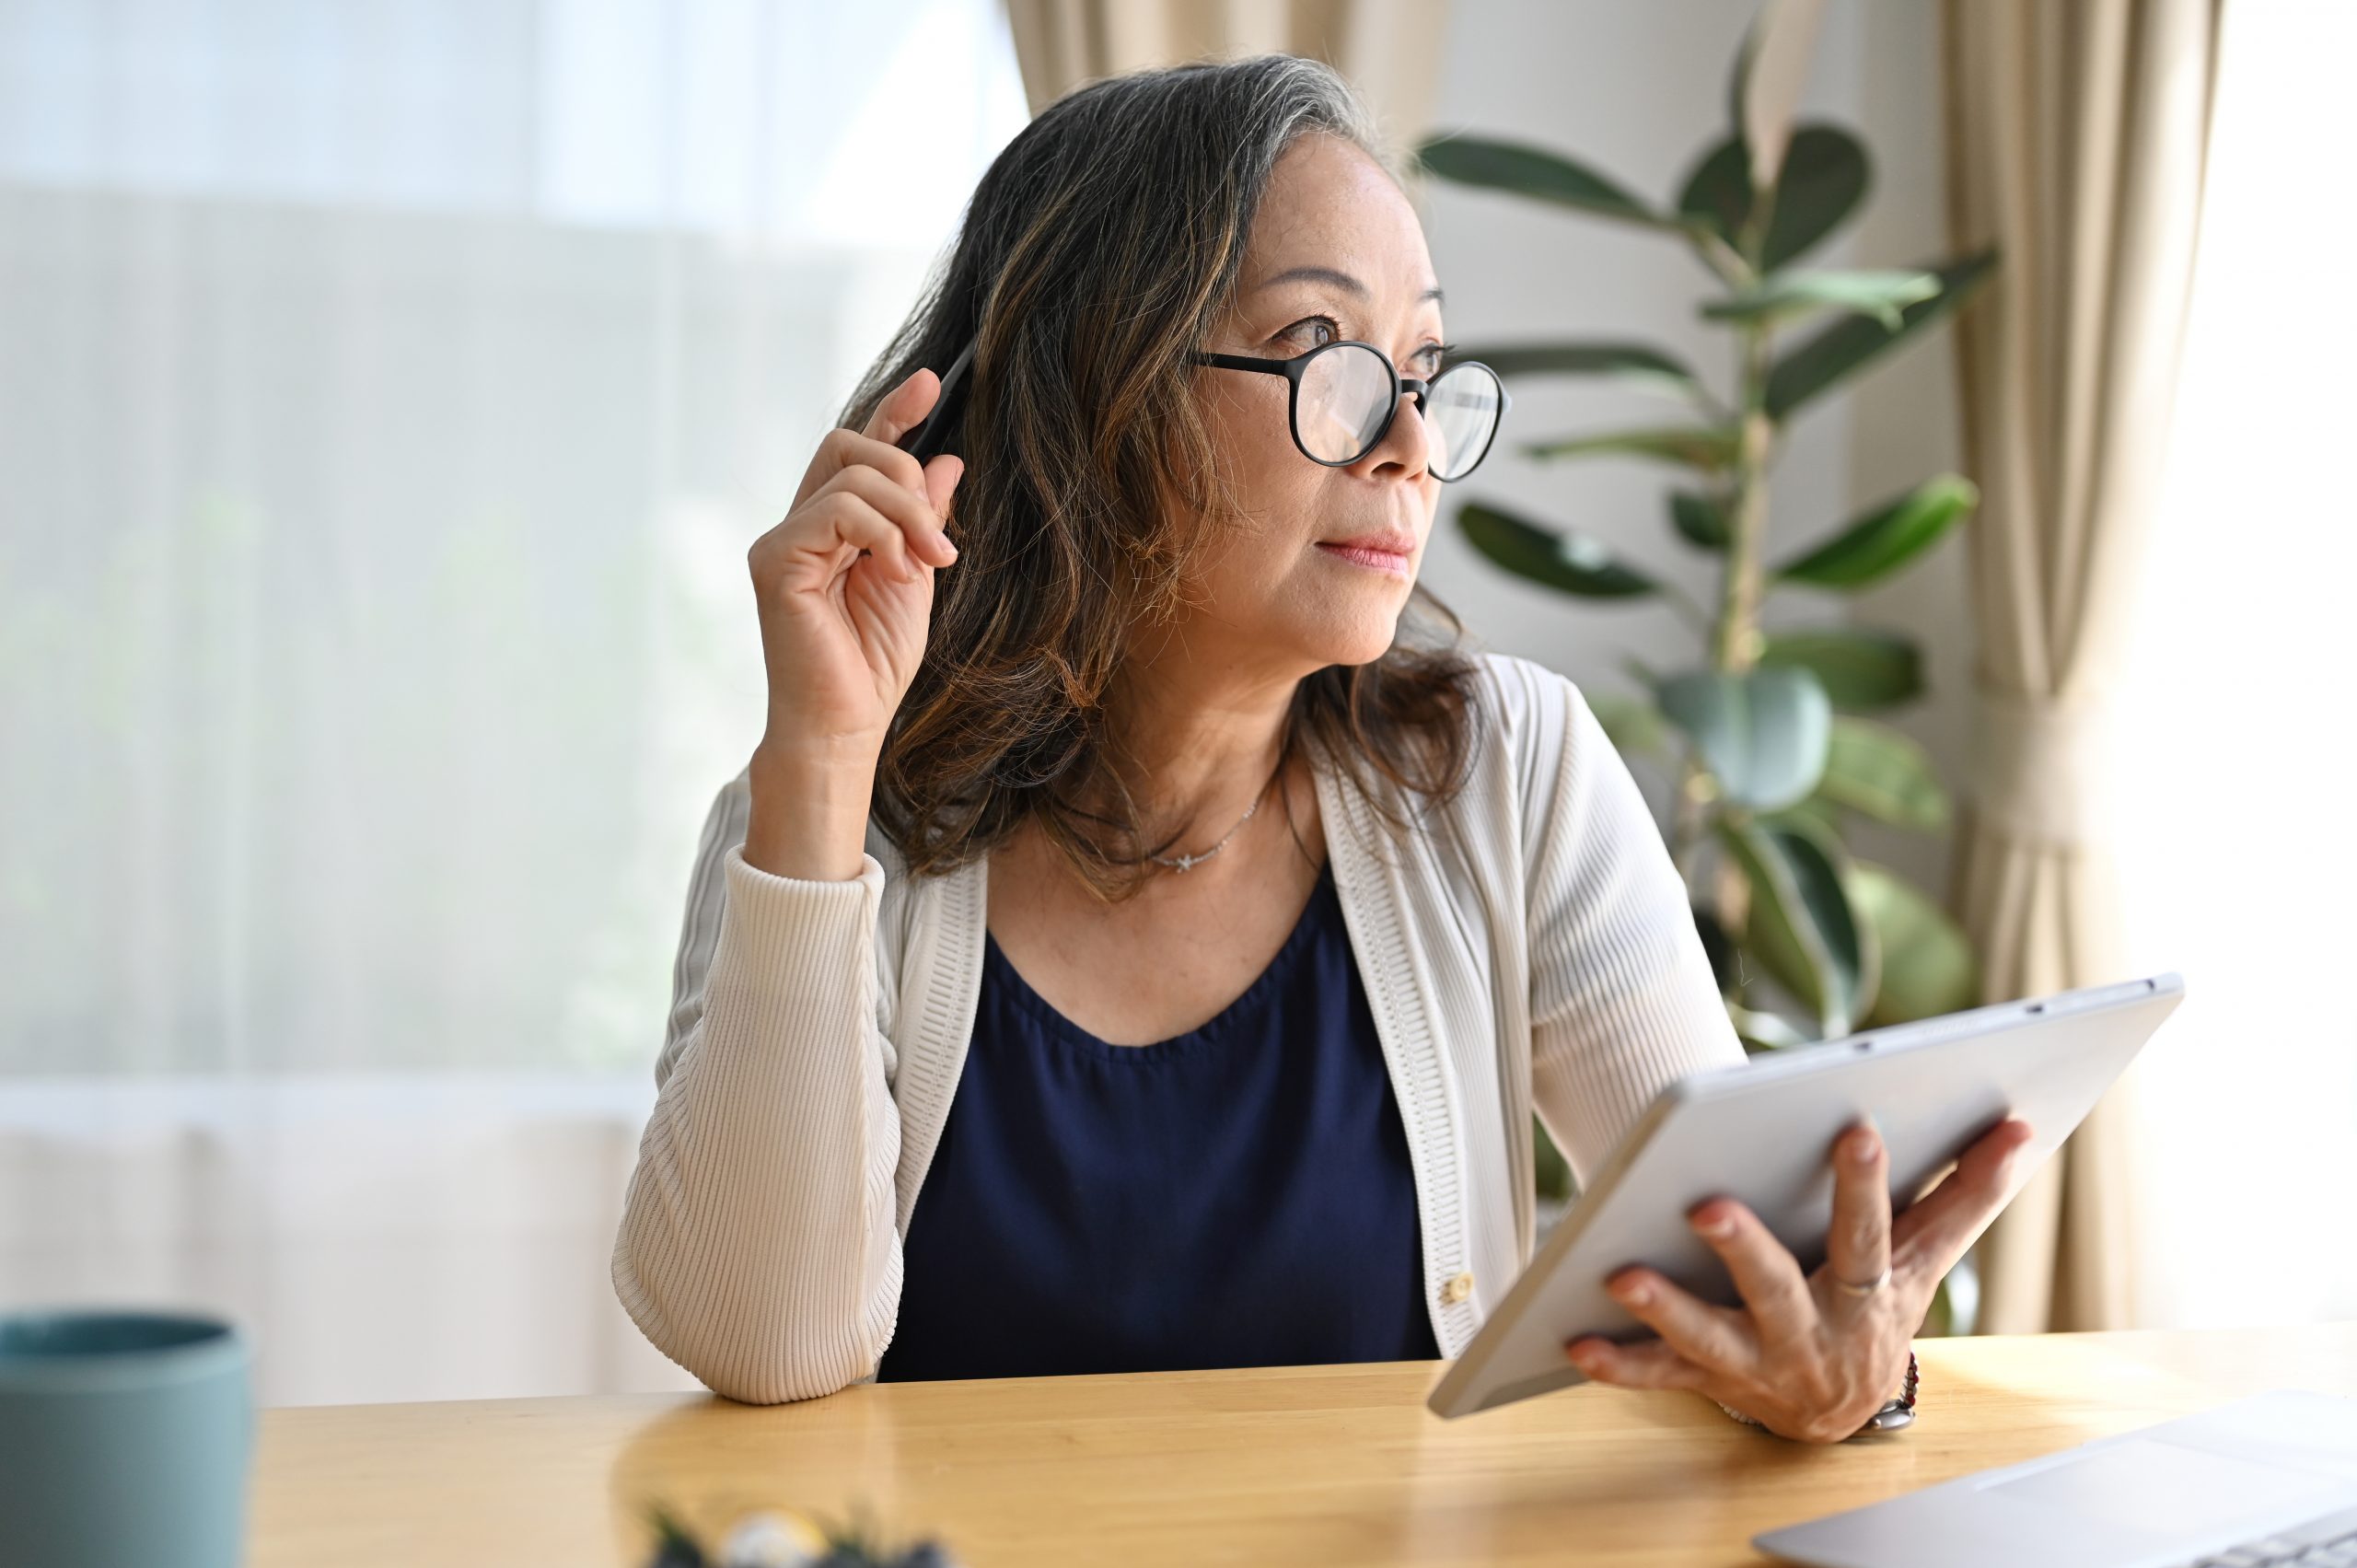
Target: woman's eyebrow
{"points": [[1341, 280]]}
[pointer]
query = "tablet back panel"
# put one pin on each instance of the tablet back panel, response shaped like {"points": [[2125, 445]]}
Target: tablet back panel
{"points": [[1763, 1131]]}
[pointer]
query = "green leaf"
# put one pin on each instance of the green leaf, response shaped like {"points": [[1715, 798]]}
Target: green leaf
{"points": [[1928, 967], [1762, 733], [1701, 519], [1709, 448], [1825, 175], [1726, 963], [1716, 194], [1526, 170], [678, 1548], [1559, 559], [1847, 346], [1552, 1173], [1939, 1319], [1874, 769], [1762, 1030], [1802, 928], [1633, 362], [1815, 812], [1879, 294], [1859, 668], [1887, 537], [1632, 723]]}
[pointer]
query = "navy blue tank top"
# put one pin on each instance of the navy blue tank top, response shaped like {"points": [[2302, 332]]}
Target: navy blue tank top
{"points": [[1238, 1195]]}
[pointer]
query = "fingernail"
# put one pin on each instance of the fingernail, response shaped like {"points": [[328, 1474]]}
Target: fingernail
{"points": [[1714, 1225], [950, 547], [1636, 1293], [1861, 1148]]}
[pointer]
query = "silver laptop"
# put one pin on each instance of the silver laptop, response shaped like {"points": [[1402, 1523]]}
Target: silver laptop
{"points": [[2271, 1479]]}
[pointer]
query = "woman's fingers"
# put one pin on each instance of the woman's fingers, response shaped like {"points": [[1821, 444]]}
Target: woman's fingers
{"points": [[912, 515], [895, 417], [1858, 1247], [1717, 1338], [1938, 1226], [902, 408], [872, 445], [1765, 1271], [941, 477], [840, 449], [849, 517], [1648, 1363]]}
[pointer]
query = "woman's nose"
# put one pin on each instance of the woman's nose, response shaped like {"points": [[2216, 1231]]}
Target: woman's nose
{"points": [[1406, 442]]}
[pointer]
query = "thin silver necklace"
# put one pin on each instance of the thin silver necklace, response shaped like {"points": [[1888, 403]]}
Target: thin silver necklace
{"points": [[1185, 862]]}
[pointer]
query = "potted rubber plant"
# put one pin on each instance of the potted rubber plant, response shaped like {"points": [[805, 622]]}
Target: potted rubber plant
{"points": [[1775, 742]]}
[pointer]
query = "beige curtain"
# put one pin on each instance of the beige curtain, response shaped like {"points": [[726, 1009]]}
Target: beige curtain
{"points": [[1388, 49], [2076, 143]]}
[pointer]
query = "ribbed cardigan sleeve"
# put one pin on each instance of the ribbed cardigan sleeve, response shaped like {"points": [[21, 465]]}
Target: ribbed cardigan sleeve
{"points": [[759, 1247], [1622, 997]]}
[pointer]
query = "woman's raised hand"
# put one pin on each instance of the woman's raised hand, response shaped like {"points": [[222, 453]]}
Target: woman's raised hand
{"points": [[844, 584], [845, 589]]}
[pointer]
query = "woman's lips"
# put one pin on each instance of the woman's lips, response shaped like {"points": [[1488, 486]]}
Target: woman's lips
{"points": [[1391, 561]]}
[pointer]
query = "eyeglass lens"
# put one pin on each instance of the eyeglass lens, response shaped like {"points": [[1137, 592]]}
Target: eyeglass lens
{"points": [[1346, 393]]}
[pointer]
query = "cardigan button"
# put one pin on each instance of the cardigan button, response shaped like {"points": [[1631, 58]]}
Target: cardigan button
{"points": [[1456, 1289]]}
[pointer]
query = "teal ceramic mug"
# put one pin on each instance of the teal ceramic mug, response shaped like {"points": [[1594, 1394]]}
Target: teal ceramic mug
{"points": [[124, 1440]]}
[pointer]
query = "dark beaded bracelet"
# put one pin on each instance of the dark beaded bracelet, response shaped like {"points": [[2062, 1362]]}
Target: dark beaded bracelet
{"points": [[1894, 1414], [1897, 1412]]}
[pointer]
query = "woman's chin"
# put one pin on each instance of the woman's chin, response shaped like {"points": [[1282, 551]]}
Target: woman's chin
{"points": [[1363, 640]]}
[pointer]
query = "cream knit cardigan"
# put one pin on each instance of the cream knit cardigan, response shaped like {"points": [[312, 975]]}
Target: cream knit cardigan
{"points": [[1530, 947]]}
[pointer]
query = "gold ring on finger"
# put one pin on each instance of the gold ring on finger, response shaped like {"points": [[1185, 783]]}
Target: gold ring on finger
{"points": [[1864, 1290]]}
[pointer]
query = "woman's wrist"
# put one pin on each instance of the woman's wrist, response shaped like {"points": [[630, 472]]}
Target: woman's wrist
{"points": [[808, 814], [1899, 1405]]}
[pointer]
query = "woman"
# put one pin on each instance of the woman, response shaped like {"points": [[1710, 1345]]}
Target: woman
{"points": [[1136, 940]]}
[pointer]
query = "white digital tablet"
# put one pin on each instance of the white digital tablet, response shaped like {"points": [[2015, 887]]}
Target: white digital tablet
{"points": [[1763, 1131]]}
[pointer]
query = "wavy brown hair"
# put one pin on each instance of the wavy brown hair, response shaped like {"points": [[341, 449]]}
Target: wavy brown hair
{"points": [[1101, 247]]}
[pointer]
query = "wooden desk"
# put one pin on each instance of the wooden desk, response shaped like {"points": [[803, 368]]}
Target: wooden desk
{"points": [[1291, 1465]]}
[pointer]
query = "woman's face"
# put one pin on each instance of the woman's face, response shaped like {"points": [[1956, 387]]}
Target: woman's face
{"points": [[1335, 252]]}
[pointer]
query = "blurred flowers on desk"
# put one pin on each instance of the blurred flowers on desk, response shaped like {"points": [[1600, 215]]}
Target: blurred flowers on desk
{"points": [[785, 1539]]}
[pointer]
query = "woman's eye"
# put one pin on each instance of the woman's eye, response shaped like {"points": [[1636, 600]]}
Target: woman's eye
{"points": [[1425, 360], [1305, 328]]}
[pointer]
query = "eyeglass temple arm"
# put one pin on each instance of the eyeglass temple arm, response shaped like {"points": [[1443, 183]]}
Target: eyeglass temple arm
{"points": [[1246, 362], [930, 435]]}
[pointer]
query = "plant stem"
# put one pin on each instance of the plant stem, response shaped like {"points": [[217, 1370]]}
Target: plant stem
{"points": [[1735, 645], [1722, 258], [1689, 817], [1735, 648]]}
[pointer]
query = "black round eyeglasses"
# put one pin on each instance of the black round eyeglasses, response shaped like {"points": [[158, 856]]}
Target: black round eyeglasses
{"points": [[1345, 395]]}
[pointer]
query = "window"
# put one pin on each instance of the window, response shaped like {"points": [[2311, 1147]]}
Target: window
{"points": [[393, 393], [2239, 864]]}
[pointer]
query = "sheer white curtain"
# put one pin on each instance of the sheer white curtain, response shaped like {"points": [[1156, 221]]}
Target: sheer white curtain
{"points": [[2238, 863], [388, 393]]}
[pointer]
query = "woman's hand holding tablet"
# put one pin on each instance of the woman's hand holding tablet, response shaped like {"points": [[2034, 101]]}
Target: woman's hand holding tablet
{"points": [[1811, 1355], [1798, 1313]]}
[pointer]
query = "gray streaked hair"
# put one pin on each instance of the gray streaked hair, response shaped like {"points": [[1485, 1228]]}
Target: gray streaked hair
{"points": [[1098, 253]]}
